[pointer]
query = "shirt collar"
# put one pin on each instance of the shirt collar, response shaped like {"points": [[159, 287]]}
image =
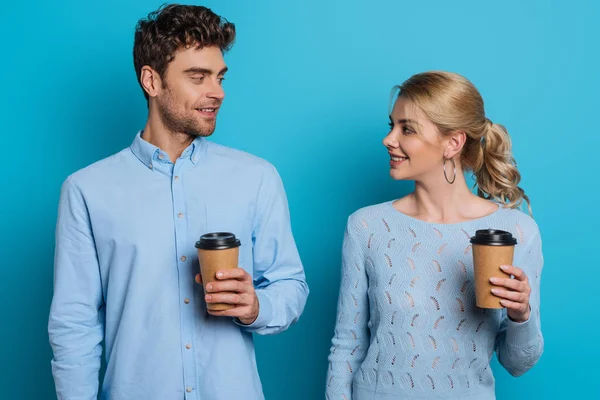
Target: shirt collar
{"points": [[148, 153]]}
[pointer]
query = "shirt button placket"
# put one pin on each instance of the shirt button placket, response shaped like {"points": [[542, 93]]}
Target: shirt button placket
{"points": [[187, 312]]}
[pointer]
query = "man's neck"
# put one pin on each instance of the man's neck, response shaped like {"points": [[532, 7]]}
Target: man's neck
{"points": [[172, 143]]}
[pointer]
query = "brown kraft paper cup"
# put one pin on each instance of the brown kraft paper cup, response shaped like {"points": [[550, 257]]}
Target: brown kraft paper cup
{"points": [[217, 251], [491, 249]]}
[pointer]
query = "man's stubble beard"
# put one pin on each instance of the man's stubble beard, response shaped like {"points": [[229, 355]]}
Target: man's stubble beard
{"points": [[177, 123]]}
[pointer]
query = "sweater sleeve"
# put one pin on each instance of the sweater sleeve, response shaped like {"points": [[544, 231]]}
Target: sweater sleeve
{"points": [[520, 345], [351, 340]]}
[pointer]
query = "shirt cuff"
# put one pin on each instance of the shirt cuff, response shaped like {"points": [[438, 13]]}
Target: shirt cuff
{"points": [[265, 313], [521, 334]]}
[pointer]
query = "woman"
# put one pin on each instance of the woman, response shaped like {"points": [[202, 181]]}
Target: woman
{"points": [[407, 325]]}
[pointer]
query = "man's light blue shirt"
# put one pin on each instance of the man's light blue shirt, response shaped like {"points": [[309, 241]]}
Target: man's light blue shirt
{"points": [[124, 272]]}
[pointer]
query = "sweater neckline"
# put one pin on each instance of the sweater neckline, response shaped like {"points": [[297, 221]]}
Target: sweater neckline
{"points": [[484, 218]]}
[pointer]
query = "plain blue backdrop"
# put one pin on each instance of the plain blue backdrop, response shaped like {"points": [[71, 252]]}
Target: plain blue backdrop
{"points": [[308, 90]]}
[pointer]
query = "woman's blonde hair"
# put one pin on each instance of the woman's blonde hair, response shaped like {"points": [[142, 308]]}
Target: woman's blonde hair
{"points": [[452, 103]]}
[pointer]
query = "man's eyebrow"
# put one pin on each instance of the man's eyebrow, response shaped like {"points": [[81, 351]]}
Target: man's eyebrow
{"points": [[200, 70]]}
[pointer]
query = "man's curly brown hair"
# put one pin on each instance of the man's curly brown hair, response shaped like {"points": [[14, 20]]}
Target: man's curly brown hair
{"points": [[164, 31]]}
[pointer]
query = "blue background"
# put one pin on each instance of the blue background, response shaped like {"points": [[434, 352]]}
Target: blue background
{"points": [[308, 90]]}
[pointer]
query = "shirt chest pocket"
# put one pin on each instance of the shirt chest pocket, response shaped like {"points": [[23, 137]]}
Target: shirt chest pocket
{"points": [[236, 217]]}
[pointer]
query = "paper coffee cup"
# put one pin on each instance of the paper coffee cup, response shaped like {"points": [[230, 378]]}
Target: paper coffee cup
{"points": [[217, 251], [491, 249]]}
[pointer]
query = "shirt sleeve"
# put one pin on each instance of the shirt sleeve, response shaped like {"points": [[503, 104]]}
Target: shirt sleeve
{"points": [[278, 273], [75, 326]]}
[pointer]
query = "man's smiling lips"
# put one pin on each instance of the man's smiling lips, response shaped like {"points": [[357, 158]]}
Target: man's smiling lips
{"points": [[208, 112]]}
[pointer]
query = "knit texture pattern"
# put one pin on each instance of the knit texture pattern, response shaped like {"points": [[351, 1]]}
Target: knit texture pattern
{"points": [[407, 323]]}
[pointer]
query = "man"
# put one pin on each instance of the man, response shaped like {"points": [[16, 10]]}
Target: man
{"points": [[125, 257]]}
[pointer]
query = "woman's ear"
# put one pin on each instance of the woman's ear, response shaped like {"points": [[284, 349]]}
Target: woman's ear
{"points": [[455, 142]]}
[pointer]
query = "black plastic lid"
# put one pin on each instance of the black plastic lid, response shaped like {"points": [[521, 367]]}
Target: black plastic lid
{"points": [[218, 241], [493, 237]]}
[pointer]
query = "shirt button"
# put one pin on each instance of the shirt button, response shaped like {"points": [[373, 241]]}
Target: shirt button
{"points": [[160, 156], [186, 301], [180, 215], [188, 389], [188, 346], [183, 258], [176, 178], [150, 166]]}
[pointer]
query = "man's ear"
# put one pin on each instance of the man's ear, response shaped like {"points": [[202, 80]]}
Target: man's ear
{"points": [[151, 81]]}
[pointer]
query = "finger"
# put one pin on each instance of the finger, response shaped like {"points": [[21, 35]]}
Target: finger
{"points": [[239, 312], [227, 298], [510, 295], [235, 273], [198, 279], [518, 273], [508, 283], [513, 305], [230, 285]]}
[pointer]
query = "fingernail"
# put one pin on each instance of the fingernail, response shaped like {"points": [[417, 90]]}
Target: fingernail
{"points": [[504, 267], [494, 280], [208, 297], [495, 291], [219, 274], [209, 287]]}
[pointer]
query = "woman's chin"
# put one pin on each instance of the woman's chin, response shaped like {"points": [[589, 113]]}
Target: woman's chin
{"points": [[398, 176]]}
